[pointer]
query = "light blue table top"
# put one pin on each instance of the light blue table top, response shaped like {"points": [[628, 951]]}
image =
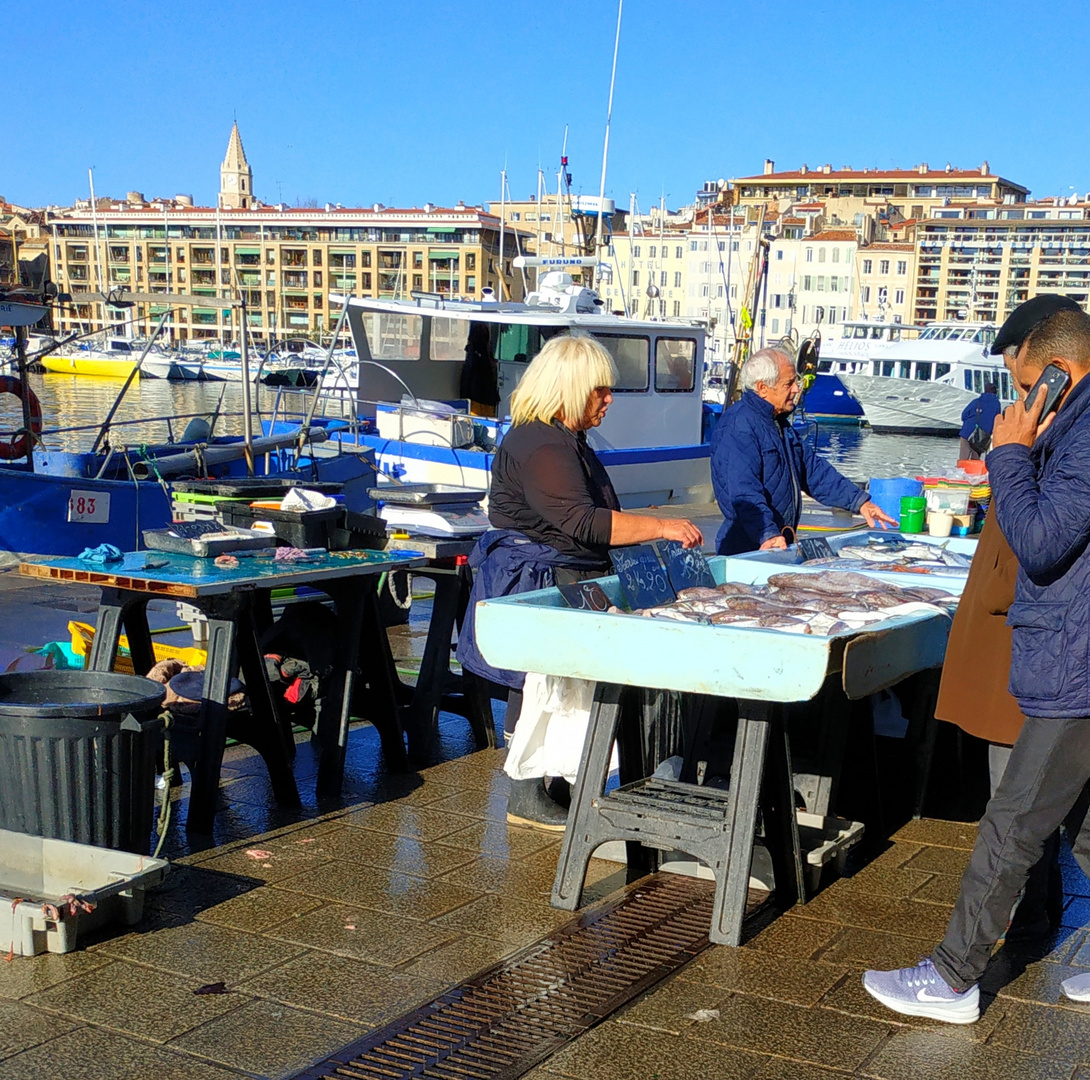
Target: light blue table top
{"points": [[186, 575]]}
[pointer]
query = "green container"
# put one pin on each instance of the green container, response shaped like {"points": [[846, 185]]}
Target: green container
{"points": [[913, 513]]}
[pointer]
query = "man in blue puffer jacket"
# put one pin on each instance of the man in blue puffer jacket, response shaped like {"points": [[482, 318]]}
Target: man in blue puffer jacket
{"points": [[761, 467], [1040, 476]]}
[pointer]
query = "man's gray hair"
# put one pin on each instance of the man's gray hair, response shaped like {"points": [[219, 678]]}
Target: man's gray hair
{"points": [[763, 366]]}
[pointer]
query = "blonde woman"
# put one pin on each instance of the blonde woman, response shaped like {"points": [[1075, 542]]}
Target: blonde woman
{"points": [[554, 513]]}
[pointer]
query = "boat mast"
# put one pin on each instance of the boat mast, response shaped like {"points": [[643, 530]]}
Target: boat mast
{"points": [[605, 148], [503, 210], [560, 190], [537, 245], [98, 253]]}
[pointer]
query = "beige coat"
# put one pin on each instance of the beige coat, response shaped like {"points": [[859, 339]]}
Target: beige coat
{"points": [[973, 693]]}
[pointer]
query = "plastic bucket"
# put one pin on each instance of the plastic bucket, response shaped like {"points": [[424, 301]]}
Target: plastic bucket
{"points": [[78, 751], [887, 494], [939, 523], [912, 513]]}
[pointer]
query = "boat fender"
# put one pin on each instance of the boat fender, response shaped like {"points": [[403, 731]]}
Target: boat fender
{"points": [[19, 444]]}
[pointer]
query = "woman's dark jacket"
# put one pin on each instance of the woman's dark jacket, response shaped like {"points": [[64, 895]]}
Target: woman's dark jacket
{"points": [[550, 505]]}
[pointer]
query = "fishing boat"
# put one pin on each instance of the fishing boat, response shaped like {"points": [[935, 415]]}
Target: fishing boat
{"points": [[59, 502], [921, 386], [409, 355], [112, 358]]}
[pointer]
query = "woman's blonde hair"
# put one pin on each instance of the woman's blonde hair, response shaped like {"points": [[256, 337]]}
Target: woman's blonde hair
{"points": [[560, 379]]}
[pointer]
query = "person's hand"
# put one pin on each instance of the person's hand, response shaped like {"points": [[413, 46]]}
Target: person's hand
{"points": [[875, 516], [776, 543], [1021, 424], [683, 531]]}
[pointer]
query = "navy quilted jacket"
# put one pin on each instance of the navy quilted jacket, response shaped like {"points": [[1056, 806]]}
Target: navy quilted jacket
{"points": [[1042, 503], [760, 467]]}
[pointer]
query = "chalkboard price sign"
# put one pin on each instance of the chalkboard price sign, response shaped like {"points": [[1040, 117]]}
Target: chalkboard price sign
{"points": [[643, 577], [686, 568], [585, 596], [815, 547]]}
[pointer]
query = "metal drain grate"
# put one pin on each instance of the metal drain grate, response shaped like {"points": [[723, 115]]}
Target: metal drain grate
{"points": [[502, 1023]]}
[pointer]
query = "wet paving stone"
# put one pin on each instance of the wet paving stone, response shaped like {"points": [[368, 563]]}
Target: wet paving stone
{"points": [[454, 961], [24, 975], [515, 922], [90, 1053], [205, 952], [876, 949], [22, 1027], [895, 882], [818, 1036], [260, 909], [364, 934], [268, 1038], [136, 1000], [1056, 1033], [382, 890], [781, 978], [878, 913], [912, 1053], [615, 1051], [502, 840], [418, 822], [940, 860], [673, 1005], [791, 936], [385, 851], [951, 834], [345, 988]]}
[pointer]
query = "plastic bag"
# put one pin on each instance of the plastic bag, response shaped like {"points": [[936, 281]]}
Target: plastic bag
{"points": [[551, 728]]}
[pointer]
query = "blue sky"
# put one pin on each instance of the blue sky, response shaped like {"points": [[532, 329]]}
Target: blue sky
{"points": [[362, 102]]}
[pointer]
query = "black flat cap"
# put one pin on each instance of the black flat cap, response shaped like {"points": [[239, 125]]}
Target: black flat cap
{"points": [[1025, 318]]}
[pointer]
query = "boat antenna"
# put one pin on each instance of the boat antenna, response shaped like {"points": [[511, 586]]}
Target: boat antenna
{"points": [[605, 145], [560, 190]]}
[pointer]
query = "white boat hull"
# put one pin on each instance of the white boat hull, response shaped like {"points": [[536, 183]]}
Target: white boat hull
{"points": [[908, 405]]}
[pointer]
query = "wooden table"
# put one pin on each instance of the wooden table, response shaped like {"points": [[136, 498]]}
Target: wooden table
{"points": [[437, 686], [237, 604]]}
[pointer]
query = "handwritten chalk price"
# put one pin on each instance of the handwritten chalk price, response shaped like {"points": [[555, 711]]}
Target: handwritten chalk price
{"points": [[686, 568], [643, 577]]}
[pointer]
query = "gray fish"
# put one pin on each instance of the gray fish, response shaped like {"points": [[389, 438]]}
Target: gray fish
{"points": [[700, 592]]}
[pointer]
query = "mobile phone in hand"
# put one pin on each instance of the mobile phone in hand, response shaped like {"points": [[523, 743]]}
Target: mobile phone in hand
{"points": [[1055, 381]]}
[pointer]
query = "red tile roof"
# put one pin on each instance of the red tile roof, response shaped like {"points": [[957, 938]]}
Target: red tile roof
{"points": [[834, 234]]}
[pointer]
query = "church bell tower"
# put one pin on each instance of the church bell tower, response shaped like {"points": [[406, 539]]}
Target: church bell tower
{"points": [[236, 177]]}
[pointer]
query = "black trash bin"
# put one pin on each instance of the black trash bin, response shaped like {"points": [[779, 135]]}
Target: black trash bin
{"points": [[78, 751]]}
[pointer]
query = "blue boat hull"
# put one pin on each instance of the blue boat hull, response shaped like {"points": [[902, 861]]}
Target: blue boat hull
{"points": [[828, 401]]}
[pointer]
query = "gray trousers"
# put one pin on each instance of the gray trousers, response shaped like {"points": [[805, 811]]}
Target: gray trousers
{"points": [[1041, 789]]}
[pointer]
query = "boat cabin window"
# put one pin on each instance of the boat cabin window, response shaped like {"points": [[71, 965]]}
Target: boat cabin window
{"points": [[923, 372], [519, 343], [631, 355], [1005, 385], [968, 380], [941, 370], [120, 346], [876, 333], [895, 333], [448, 338], [675, 364], [905, 369], [888, 367], [393, 336], [860, 332], [824, 366], [978, 381]]}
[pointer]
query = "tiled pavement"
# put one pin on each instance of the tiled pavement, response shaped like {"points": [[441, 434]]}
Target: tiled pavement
{"points": [[325, 929], [327, 924]]}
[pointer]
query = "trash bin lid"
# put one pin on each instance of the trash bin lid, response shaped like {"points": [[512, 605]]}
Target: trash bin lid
{"points": [[85, 694]]}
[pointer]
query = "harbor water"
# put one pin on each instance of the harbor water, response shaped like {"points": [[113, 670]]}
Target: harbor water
{"points": [[73, 407]]}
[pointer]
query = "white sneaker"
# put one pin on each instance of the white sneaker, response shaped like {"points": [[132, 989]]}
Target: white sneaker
{"points": [[1077, 988]]}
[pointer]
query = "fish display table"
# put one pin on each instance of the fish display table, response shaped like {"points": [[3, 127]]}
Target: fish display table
{"points": [[882, 549], [763, 670], [437, 687], [237, 603]]}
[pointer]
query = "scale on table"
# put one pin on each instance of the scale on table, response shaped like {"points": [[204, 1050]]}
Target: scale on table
{"points": [[441, 510]]}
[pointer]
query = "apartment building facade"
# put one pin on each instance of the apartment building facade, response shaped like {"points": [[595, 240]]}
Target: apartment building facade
{"points": [[285, 262]]}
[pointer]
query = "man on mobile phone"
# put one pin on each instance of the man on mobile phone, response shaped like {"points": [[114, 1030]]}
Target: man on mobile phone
{"points": [[1041, 492]]}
